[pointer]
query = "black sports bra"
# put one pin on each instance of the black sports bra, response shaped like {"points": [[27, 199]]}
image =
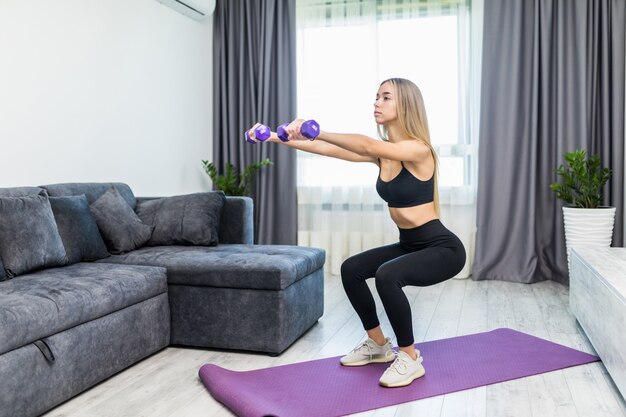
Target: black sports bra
{"points": [[405, 190]]}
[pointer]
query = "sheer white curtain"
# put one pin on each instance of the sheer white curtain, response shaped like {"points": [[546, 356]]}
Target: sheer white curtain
{"points": [[345, 49]]}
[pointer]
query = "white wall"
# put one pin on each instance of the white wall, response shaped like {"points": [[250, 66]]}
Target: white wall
{"points": [[104, 90]]}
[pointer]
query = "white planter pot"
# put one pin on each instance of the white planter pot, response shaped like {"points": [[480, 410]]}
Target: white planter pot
{"points": [[588, 227]]}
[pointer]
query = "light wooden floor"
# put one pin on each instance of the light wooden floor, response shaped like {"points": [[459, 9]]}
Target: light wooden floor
{"points": [[167, 384]]}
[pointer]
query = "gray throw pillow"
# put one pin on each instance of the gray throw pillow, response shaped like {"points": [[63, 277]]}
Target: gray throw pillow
{"points": [[29, 237], [78, 229], [3, 274], [191, 219], [121, 229]]}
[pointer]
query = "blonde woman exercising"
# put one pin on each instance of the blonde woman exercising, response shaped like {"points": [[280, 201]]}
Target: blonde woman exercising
{"points": [[427, 253]]}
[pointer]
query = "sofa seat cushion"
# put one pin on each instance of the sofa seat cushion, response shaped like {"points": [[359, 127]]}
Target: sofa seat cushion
{"points": [[269, 267], [40, 304]]}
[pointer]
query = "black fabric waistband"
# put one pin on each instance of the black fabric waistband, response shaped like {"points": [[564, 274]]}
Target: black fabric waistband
{"points": [[431, 233]]}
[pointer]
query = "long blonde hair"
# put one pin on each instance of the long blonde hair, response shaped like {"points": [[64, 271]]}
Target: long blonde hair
{"points": [[412, 118]]}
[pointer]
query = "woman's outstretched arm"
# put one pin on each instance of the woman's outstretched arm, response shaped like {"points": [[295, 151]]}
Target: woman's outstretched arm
{"points": [[406, 150], [320, 148]]}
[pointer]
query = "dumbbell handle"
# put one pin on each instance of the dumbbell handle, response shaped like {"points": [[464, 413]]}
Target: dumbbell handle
{"points": [[309, 129]]}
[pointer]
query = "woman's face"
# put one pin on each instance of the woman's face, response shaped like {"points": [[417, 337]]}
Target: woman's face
{"points": [[385, 104]]}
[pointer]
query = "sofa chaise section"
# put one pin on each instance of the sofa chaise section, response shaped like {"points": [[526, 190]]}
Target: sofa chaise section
{"points": [[234, 296]]}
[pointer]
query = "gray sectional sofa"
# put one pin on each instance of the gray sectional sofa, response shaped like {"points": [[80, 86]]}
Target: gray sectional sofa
{"points": [[79, 303]]}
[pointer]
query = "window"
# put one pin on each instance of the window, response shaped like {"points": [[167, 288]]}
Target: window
{"points": [[340, 68], [345, 48]]}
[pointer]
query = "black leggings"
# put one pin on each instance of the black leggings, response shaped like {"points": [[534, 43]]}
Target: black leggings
{"points": [[425, 255]]}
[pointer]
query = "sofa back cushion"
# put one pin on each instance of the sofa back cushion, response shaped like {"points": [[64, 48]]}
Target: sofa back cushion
{"points": [[191, 219], [29, 237], [121, 228], [19, 191], [92, 190], [78, 229]]}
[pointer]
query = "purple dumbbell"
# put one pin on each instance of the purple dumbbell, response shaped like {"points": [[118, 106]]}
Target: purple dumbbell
{"points": [[280, 131], [262, 133], [309, 129]]}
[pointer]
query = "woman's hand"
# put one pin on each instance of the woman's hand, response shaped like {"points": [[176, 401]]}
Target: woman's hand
{"points": [[250, 132], [293, 130]]}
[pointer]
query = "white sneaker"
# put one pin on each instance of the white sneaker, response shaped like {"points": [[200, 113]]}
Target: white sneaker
{"points": [[402, 371], [369, 352]]}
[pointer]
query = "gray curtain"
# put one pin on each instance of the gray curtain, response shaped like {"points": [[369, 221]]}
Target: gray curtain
{"points": [[254, 80], [552, 81]]}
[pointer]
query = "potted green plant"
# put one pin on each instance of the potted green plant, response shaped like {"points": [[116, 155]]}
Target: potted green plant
{"points": [[234, 183], [586, 222]]}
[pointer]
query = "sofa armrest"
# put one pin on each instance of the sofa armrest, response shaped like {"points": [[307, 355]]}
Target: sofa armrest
{"points": [[237, 224]]}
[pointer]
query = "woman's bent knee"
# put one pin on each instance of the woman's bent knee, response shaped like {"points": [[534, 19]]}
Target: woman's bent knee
{"points": [[352, 269], [349, 275], [386, 278]]}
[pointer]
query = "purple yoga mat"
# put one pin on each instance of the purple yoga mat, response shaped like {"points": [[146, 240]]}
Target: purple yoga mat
{"points": [[324, 388]]}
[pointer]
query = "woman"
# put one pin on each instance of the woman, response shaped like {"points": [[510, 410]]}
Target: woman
{"points": [[427, 253]]}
